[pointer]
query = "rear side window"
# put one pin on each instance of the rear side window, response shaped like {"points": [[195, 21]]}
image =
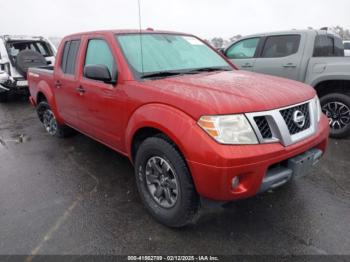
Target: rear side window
{"points": [[99, 53], [14, 47], [281, 46], [347, 45], [69, 57], [328, 46], [243, 49]]}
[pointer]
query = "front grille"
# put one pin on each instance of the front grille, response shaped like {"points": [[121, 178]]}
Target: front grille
{"points": [[263, 126], [287, 115]]}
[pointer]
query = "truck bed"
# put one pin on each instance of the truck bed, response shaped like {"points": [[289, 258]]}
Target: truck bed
{"points": [[39, 78], [331, 68]]}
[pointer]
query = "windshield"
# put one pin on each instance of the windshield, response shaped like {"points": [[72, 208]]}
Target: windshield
{"points": [[168, 53]]}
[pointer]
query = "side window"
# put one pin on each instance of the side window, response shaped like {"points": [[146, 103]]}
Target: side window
{"points": [[324, 46], [99, 53], [69, 57], [338, 47], [281, 46], [65, 55], [243, 49], [327, 46]]}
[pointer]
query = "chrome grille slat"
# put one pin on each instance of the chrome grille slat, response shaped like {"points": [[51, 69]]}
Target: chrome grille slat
{"points": [[277, 125]]}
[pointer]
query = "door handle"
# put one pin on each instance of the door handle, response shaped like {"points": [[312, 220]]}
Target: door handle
{"points": [[247, 65], [80, 90], [289, 65], [58, 84]]}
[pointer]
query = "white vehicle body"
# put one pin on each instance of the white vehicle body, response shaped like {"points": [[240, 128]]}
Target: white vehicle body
{"points": [[10, 78], [347, 48]]}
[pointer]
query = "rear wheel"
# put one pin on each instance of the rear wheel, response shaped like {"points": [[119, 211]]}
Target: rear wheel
{"points": [[336, 107], [165, 184], [47, 117]]}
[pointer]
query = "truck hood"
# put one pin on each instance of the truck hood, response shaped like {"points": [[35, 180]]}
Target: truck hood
{"points": [[229, 92]]}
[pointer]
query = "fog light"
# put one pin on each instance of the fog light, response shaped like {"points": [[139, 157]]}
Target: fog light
{"points": [[235, 182]]}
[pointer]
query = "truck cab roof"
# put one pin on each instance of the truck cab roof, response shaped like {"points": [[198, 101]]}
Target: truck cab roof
{"points": [[127, 31], [296, 31]]}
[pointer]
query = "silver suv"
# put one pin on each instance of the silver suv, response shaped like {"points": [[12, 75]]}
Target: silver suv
{"points": [[315, 57], [17, 54]]}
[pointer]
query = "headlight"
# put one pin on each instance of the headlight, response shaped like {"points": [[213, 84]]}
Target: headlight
{"points": [[228, 129], [318, 108]]}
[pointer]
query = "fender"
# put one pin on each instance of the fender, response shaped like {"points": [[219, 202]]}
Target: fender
{"points": [[173, 122], [45, 88], [314, 82]]}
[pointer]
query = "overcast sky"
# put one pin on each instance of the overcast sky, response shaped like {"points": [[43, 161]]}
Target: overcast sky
{"points": [[205, 18]]}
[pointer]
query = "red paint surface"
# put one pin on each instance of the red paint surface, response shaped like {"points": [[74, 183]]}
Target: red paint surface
{"points": [[113, 114]]}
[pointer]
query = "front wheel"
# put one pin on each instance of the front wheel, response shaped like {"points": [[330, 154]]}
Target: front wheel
{"points": [[165, 184], [47, 117], [336, 107]]}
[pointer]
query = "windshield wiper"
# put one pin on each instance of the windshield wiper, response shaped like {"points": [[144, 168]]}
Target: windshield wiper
{"points": [[208, 69], [161, 74], [193, 71]]}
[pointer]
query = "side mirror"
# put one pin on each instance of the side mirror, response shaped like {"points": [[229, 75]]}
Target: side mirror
{"points": [[98, 72]]}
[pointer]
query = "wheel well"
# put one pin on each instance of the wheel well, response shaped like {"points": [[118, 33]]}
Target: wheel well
{"points": [[144, 133], [332, 86], [40, 97]]}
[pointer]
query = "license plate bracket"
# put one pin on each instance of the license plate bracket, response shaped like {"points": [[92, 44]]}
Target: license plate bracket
{"points": [[302, 164]]}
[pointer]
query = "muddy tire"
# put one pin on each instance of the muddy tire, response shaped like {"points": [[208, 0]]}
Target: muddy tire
{"points": [[336, 107], [47, 117], [165, 184]]}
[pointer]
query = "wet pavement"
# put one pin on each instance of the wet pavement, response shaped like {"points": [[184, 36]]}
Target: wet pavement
{"points": [[76, 196]]}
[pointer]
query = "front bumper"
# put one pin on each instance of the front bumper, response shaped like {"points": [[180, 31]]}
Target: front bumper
{"points": [[252, 164], [15, 85]]}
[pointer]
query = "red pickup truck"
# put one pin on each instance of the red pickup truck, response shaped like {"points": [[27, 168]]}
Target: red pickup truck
{"points": [[196, 129]]}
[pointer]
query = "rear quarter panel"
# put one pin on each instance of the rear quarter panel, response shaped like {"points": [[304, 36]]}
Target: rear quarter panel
{"points": [[327, 68], [42, 81]]}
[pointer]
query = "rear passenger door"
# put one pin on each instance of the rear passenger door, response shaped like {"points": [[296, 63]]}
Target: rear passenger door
{"points": [[281, 55], [243, 53], [66, 81]]}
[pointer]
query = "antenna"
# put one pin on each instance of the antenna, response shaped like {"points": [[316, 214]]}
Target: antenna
{"points": [[140, 34]]}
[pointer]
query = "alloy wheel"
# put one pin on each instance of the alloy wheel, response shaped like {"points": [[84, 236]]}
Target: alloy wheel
{"points": [[338, 114], [162, 182], [50, 122]]}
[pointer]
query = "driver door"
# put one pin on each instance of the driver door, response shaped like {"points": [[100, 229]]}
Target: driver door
{"points": [[243, 53]]}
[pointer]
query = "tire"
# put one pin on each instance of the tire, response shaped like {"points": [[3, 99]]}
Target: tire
{"points": [[4, 97], [29, 58], [184, 206], [47, 117], [336, 107]]}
